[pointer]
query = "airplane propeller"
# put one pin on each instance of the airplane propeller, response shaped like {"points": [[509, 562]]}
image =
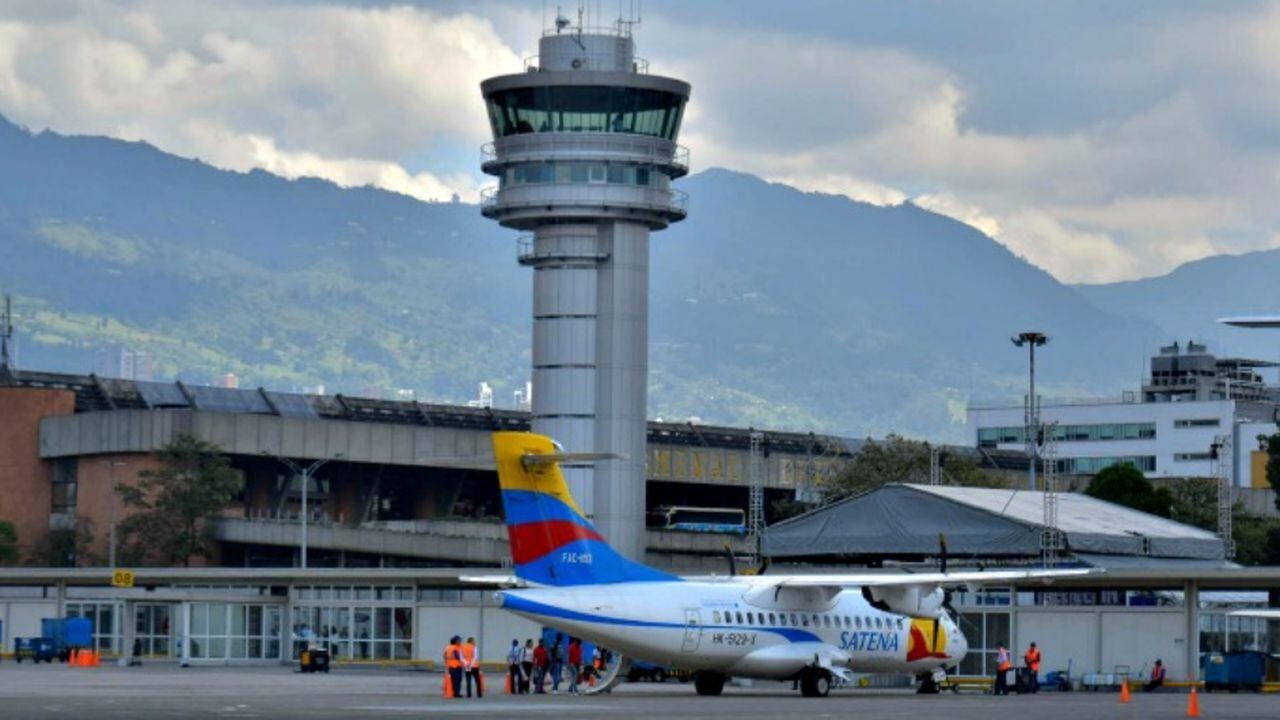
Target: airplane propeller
{"points": [[946, 592]]}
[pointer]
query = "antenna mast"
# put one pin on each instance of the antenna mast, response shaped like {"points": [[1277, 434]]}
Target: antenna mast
{"points": [[6, 334]]}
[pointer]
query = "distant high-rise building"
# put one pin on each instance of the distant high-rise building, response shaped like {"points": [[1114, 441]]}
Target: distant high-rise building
{"points": [[485, 398], [117, 361], [523, 398]]}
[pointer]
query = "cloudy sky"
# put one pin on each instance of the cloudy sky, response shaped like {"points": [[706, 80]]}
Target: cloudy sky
{"points": [[1100, 140]]}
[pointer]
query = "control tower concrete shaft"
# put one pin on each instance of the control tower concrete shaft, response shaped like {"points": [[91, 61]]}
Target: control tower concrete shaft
{"points": [[585, 151]]}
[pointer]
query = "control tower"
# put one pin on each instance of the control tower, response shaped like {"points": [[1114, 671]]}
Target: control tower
{"points": [[585, 151]]}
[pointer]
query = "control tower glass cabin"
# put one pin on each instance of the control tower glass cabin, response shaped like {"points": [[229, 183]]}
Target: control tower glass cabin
{"points": [[585, 151]]}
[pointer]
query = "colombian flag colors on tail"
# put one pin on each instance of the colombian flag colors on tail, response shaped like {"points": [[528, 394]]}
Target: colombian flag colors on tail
{"points": [[552, 542]]}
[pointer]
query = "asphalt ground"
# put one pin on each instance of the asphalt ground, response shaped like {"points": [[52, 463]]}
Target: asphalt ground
{"points": [[167, 691]]}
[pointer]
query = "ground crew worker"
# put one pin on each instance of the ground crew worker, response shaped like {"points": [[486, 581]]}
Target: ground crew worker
{"points": [[1157, 677], [513, 666], [453, 663], [1003, 663], [575, 664], [557, 663], [526, 667], [1032, 659], [471, 667]]}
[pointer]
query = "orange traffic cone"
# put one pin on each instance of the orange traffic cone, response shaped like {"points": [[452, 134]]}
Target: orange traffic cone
{"points": [[480, 681], [506, 687], [1193, 704], [1124, 691], [448, 684]]}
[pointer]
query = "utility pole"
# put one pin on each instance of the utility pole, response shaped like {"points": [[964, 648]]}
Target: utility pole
{"points": [[1032, 413], [306, 475], [6, 334], [111, 512]]}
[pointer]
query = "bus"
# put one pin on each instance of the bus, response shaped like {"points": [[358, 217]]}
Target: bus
{"points": [[702, 520]]}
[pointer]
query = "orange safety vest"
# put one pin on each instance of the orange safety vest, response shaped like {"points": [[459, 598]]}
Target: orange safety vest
{"points": [[1003, 659], [451, 659], [1033, 659], [469, 654]]}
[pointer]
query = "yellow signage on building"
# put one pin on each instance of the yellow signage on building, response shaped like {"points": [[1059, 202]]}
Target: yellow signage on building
{"points": [[122, 579]]}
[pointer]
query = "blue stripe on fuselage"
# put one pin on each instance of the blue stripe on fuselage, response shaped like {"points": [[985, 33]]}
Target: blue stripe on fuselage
{"points": [[516, 603]]}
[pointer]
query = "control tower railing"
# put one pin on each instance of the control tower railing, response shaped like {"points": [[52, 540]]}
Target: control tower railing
{"points": [[535, 147], [494, 198], [639, 66]]}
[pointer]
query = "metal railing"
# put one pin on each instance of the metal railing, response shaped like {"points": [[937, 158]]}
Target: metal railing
{"points": [[568, 145], [639, 65]]}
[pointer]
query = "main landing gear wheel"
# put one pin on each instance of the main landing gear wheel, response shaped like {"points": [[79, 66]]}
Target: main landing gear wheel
{"points": [[816, 683], [708, 683], [928, 685]]}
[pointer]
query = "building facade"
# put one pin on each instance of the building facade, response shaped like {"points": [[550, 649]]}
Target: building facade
{"points": [[1189, 403]]}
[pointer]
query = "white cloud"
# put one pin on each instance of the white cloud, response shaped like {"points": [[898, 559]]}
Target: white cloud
{"points": [[342, 93]]}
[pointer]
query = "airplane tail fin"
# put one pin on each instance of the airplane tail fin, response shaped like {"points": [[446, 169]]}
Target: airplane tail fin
{"points": [[552, 542]]}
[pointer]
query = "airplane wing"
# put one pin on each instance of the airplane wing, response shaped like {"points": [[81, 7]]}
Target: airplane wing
{"points": [[1267, 614], [908, 592], [978, 577]]}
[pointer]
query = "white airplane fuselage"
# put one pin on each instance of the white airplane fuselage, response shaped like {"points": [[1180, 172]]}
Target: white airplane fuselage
{"points": [[709, 625]]}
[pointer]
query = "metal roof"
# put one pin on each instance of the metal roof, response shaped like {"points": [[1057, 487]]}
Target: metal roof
{"points": [[904, 522], [1077, 512]]}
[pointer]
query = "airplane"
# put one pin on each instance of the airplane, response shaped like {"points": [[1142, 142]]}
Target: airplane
{"points": [[810, 628]]}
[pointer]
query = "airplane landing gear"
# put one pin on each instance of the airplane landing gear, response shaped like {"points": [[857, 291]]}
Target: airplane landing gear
{"points": [[930, 683], [815, 683], [708, 683]]}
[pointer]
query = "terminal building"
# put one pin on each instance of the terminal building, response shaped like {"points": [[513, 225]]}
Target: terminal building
{"points": [[403, 483], [1190, 402]]}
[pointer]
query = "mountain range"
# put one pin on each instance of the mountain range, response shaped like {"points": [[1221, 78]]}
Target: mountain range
{"points": [[770, 306]]}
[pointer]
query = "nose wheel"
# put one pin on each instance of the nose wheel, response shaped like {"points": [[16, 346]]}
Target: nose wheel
{"points": [[815, 683]]}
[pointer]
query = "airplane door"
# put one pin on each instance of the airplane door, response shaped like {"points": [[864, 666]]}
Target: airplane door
{"points": [[692, 630]]}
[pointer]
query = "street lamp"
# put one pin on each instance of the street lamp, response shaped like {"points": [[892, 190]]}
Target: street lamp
{"points": [[306, 474], [111, 512], [1032, 418]]}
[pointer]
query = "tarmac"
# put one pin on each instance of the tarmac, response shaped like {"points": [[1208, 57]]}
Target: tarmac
{"points": [[167, 691]]}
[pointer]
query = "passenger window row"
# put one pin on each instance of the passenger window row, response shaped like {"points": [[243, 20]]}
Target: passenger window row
{"points": [[823, 620]]}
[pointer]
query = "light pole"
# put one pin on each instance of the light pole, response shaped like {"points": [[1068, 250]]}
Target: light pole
{"points": [[305, 474], [1032, 340], [111, 512]]}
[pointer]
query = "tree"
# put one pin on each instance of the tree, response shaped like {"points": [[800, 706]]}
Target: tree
{"points": [[65, 546], [1271, 445], [8, 543], [898, 460], [1195, 502], [1257, 540], [173, 505], [1125, 484]]}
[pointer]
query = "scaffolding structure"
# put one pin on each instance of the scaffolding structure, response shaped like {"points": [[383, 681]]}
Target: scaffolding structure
{"points": [[755, 504], [1051, 540], [935, 465], [1223, 457]]}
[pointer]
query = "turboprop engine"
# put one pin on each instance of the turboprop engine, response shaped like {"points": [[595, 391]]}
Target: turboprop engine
{"points": [[920, 601]]}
